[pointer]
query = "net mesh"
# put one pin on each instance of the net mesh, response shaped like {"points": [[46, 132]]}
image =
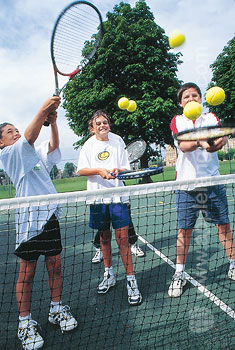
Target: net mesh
{"points": [[202, 317]]}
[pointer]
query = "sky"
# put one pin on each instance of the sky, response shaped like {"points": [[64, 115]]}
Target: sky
{"points": [[26, 76]]}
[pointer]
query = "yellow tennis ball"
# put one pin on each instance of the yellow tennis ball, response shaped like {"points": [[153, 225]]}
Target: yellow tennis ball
{"points": [[176, 38], [123, 103], [192, 110], [132, 106], [215, 96]]}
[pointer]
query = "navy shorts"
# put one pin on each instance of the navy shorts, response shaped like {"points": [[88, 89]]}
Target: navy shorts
{"points": [[47, 243], [101, 215], [211, 201]]}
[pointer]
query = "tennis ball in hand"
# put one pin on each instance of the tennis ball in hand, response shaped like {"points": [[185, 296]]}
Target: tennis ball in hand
{"points": [[215, 96], [132, 106], [123, 103], [192, 110], [176, 38]]}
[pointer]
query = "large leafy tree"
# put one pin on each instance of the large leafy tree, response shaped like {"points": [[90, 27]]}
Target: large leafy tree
{"points": [[223, 70], [134, 60]]}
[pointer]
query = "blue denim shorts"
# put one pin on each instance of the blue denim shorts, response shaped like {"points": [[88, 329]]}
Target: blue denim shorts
{"points": [[101, 215], [210, 201]]}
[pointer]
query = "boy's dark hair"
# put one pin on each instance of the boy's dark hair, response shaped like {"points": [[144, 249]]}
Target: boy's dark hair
{"points": [[187, 86], [100, 112], [2, 126]]}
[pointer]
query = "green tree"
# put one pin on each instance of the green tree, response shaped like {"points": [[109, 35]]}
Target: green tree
{"points": [[68, 170], [223, 70], [54, 172], [134, 60]]}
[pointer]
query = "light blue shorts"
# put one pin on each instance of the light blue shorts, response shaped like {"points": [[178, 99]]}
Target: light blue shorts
{"points": [[101, 215], [211, 201]]}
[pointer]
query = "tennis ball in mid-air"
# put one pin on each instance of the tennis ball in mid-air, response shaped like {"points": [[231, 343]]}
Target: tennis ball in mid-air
{"points": [[132, 106], [123, 103], [215, 96], [193, 110], [176, 38]]}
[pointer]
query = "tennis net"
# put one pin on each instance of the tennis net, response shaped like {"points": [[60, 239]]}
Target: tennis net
{"points": [[202, 317]]}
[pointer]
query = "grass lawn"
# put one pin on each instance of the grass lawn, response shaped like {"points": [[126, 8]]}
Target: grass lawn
{"points": [[79, 183]]}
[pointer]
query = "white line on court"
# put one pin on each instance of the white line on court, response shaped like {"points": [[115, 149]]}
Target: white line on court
{"points": [[224, 307]]}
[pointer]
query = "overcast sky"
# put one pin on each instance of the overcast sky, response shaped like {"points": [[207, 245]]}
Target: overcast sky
{"points": [[26, 77]]}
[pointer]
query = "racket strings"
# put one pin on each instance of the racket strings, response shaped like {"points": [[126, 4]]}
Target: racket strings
{"points": [[75, 29], [136, 150]]}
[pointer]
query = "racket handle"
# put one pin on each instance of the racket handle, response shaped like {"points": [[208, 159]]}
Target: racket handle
{"points": [[46, 123], [211, 142]]}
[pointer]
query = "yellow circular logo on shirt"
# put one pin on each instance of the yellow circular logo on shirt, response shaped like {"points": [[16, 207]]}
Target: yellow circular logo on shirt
{"points": [[103, 155]]}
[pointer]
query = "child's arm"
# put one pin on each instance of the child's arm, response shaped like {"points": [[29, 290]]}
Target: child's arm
{"points": [[54, 137], [189, 146], [49, 106], [104, 173]]}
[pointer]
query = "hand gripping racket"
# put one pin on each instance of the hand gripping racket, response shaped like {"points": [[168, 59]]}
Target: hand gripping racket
{"points": [[208, 133], [135, 150], [132, 174], [76, 36]]}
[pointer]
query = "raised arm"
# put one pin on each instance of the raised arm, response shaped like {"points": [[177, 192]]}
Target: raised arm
{"points": [[33, 130]]}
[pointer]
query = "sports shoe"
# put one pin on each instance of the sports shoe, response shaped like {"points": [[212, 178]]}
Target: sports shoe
{"points": [[29, 336], [136, 250], [98, 257], [231, 272], [176, 287], [63, 318], [134, 295], [108, 282]]}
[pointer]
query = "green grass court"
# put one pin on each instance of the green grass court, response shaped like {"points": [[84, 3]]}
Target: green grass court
{"points": [[196, 320]]}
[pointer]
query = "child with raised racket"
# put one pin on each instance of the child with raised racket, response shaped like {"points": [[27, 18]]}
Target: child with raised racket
{"points": [[37, 228]]}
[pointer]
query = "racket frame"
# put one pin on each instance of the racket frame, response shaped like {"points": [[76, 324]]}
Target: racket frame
{"points": [[77, 70], [133, 174], [140, 153], [182, 135]]}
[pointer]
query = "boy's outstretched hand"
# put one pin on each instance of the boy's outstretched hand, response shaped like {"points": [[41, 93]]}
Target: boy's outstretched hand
{"points": [[51, 104]]}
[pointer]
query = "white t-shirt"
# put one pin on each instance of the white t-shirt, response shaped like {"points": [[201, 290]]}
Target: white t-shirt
{"points": [[198, 163], [28, 168], [107, 155]]}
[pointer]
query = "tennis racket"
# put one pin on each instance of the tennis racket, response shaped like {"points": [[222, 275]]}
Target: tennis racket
{"points": [[132, 174], [135, 150], [76, 36], [208, 133]]}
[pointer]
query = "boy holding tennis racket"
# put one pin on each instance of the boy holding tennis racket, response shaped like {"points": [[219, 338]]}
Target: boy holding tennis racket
{"points": [[37, 228], [102, 156], [198, 159]]}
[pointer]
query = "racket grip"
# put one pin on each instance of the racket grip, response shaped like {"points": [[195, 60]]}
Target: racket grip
{"points": [[46, 123], [211, 142]]}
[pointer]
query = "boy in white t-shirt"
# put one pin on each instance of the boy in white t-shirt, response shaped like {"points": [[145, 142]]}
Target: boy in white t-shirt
{"points": [[102, 156], [37, 228], [198, 159]]}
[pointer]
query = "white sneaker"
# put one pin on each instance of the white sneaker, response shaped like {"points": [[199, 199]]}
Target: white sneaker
{"points": [[136, 250], [231, 272], [108, 282], [134, 295], [63, 318], [29, 336], [176, 287], [98, 257]]}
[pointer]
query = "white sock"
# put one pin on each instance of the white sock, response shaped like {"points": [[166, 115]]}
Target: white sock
{"points": [[22, 319], [130, 277], [109, 270], [179, 267], [232, 262], [55, 306]]}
